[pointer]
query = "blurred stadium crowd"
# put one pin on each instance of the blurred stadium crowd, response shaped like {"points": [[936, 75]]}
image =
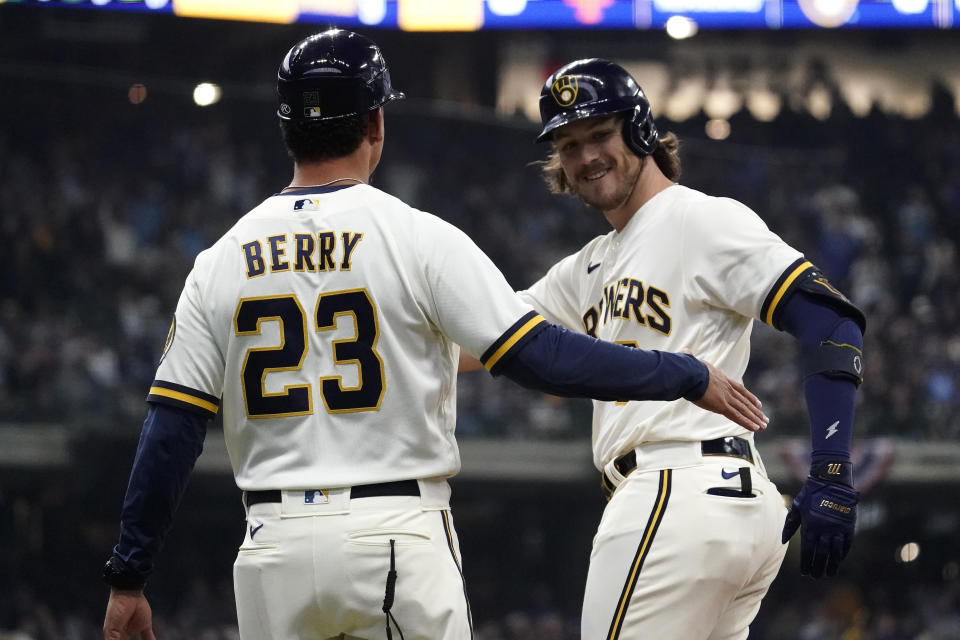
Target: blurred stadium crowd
{"points": [[104, 216], [102, 223]]}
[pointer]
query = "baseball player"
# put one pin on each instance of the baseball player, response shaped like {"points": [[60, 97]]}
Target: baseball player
{"points": [[324, 325], [694, 531]]}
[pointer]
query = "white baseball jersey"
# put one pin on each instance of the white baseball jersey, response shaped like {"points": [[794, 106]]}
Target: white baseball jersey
{"points": [[688, 271], [328, 321]]}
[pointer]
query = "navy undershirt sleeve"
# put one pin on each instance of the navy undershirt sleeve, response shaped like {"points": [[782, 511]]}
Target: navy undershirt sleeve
{"points": [[830, 399], [170, 443], [565, 363]]}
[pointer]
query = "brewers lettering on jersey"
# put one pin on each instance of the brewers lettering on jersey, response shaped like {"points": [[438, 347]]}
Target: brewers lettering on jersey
{"points": [[325, 326], [694, 532]]}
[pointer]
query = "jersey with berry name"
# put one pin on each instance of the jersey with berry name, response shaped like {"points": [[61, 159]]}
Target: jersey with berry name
{"points": [[328, 321], [682, 274]]}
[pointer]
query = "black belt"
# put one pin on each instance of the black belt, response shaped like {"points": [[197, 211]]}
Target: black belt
{"points": [[731, 446], [400, 488]]}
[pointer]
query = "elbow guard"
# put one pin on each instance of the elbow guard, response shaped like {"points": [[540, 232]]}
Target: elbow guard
{"points": [[825, 321], [838, 356]]}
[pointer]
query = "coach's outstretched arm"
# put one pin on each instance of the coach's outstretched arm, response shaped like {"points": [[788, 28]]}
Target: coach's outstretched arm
{"points": [[565, 363]]}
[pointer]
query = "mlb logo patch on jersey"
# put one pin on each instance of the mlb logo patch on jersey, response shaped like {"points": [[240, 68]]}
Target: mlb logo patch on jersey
{"points": [[311, 112], [306, 205], [316, 497]]}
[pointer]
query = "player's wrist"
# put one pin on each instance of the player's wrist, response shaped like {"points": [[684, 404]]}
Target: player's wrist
{"points": [[121, 578], [701, 375], [833, 471]]}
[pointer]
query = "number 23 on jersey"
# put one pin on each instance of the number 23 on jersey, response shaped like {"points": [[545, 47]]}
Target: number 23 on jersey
{"points": [[292, 352]]}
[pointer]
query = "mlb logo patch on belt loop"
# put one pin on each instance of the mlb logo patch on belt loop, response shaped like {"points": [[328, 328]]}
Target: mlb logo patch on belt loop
{"points": [[316, 497]]}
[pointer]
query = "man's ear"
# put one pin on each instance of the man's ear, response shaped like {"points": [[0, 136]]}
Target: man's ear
{"points": [[375, 128]]}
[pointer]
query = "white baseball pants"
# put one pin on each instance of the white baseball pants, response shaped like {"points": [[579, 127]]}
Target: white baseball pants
{"points": [[318, 570], [672, 561]]}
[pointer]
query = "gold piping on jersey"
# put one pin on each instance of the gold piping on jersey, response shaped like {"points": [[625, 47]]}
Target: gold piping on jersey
{"points": [[456, 561], [184, 397], [511, 338], [656, 517], [781, 287]]}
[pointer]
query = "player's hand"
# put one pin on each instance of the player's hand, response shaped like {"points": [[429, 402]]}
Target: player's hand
{"points": [[128, 614], [731, 399], [826, 512]]}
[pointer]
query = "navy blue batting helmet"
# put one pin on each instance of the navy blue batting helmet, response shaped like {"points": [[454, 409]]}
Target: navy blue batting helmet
{"points": [[597, 87], [332, 74]]}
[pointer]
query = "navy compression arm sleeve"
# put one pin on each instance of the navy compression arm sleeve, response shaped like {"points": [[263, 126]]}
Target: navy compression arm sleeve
{"points": [[830, 399], [170, 443], [575, 365]]}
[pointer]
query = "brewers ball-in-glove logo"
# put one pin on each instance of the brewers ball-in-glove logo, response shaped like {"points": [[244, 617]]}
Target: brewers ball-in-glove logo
{"points": [[169, 341], [564, 90]]}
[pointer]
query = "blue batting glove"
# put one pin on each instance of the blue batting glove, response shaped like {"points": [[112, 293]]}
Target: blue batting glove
{"points": [[826, 509]]}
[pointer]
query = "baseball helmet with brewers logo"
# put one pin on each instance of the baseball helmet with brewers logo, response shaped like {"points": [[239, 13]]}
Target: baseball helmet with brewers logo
{"points": [[597, 87], [332, 74]]}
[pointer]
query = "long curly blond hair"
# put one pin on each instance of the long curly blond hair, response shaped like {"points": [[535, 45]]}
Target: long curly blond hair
{"points": [[667, 157]]}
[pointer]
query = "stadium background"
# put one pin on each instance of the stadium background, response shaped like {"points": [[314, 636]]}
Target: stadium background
{"points": [[112, 178]]}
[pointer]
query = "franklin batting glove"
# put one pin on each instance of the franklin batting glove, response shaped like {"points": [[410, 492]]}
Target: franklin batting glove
{"points": [[826, 511]]}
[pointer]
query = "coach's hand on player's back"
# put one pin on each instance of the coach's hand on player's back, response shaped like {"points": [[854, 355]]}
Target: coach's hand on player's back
{"points": [[731, 399], [128, 614]]}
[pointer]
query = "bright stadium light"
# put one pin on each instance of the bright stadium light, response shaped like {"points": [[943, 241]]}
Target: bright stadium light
{"points": [[680, 27], [137, 93], [828, 13], [685, 100], [717, 129], [763, 104], [908, 552], [156, 4], [371, 11], [721, 102], [910, 6], [507, 7], [819, 103], [99, 3], [206, 94]]}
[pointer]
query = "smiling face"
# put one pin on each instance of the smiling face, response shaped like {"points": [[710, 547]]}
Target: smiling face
{"points": [[597, 163]]}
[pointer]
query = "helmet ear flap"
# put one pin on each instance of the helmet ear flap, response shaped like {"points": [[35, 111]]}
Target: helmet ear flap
{"points": [[639, 131]]}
